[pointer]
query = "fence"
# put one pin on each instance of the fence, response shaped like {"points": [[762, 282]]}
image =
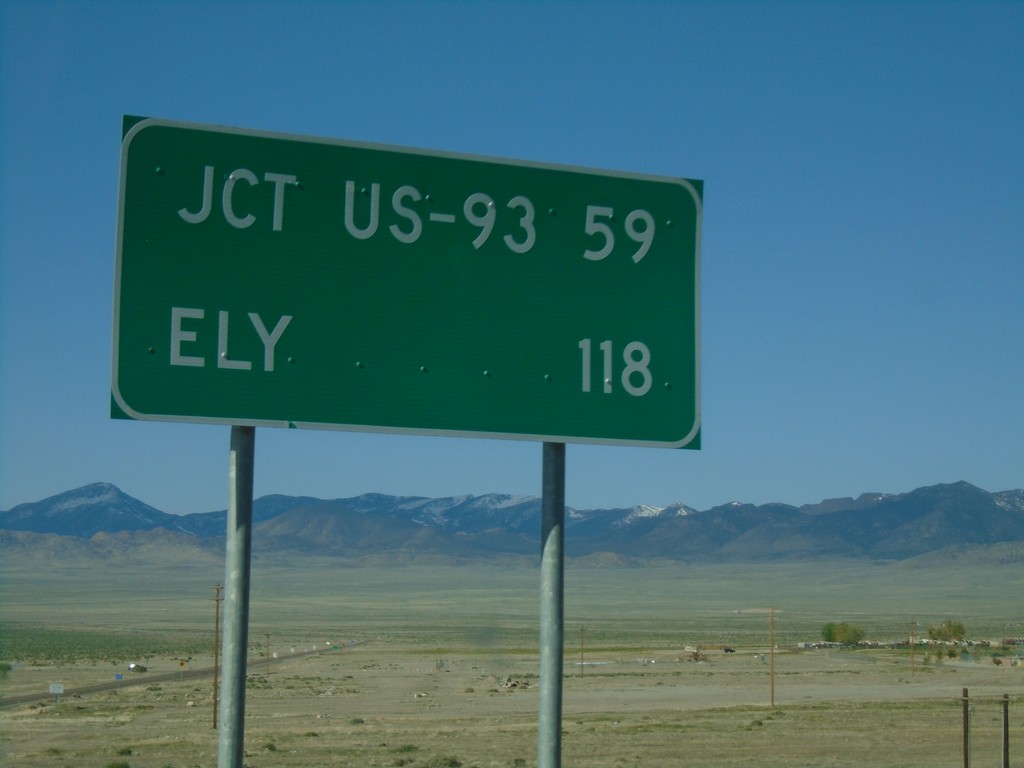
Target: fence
{"points": [[968, 711]]}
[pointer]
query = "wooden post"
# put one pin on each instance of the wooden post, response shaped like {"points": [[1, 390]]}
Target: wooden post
{"points": [[1006, 730]]}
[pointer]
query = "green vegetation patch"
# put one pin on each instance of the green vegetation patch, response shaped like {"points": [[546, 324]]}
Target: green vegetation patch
{"points": [[41, 646]]}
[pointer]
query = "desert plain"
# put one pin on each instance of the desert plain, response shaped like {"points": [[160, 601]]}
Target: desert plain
{"points": [[429, 664]]}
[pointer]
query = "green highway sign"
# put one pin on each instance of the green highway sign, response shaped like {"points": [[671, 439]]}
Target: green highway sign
{"points": [[275, 280]]}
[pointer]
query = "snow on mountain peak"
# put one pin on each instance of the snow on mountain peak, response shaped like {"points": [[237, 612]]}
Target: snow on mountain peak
{"points": [[97, 493], [640, 512], [504, 501]]}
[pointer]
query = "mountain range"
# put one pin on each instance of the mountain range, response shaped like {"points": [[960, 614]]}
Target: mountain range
{"points": [[100, 518]]}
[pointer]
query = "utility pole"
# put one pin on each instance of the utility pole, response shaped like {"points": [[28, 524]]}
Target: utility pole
{"points": [[216, 647], [913, 642], [771, 652], [582, 630], [268, 657]]}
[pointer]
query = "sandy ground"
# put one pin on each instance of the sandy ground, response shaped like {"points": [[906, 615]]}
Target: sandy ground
{"points": [[390, 704]]}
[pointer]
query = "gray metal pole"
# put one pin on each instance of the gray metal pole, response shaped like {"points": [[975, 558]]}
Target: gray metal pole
{"points": [[238, 550], [966, 705], [216, 651], [552, 572]]}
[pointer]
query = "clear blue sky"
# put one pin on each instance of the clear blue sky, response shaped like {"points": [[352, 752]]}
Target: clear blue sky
{"points": [[863, 234]]}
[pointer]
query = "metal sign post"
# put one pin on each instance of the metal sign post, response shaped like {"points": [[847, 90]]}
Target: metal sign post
{"points": [[552, 610], [238, 552]]}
